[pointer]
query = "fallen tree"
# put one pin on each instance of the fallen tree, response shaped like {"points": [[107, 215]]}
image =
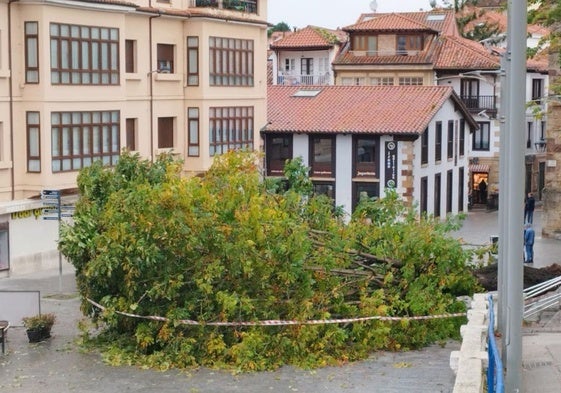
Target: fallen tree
{"points": [[230, 247]]}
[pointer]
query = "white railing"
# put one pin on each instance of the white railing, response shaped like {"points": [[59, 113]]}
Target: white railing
{"points": [[302, 79]]}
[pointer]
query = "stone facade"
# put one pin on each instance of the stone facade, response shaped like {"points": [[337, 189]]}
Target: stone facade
{"points": [[552, 192]]}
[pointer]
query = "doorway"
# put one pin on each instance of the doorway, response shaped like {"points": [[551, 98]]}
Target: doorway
{"points": [[479, 182]]}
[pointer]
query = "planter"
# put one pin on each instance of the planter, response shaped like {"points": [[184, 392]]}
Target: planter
{"points": [[38, 335]]}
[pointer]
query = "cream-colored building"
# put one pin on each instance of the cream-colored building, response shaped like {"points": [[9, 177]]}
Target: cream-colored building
{"points": [[82, 80]]}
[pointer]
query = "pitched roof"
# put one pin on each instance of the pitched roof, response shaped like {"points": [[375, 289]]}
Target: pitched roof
{"points": [[442, 21], [377, 110], [497, 18], [459, 53], [310, 37], [389, 22]]}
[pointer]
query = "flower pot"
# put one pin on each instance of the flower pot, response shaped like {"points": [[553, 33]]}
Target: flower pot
{"points": [[38, 335]]}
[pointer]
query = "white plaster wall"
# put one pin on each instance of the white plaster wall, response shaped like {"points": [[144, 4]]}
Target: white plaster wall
{"points": [[429, 170], [301, 147], [343, 172]]}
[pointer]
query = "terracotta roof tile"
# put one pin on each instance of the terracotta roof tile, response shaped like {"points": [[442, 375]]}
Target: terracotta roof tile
{"points": [[498, 18], [442, 21], [310, 37], [403, 110], [462, 54], [389, 22]]}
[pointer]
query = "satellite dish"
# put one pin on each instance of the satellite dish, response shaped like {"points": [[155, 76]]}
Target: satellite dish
{"points": [[373, 5]]}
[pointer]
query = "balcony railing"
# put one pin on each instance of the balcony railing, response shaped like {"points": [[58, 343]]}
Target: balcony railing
{"points": [[481, 103], [249, 6], [309, 80]]}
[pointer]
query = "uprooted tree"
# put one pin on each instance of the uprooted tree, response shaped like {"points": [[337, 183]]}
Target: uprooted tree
{"points": [[228, 246]]}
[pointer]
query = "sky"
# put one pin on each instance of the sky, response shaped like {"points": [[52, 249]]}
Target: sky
{"points": [[334, 13]]}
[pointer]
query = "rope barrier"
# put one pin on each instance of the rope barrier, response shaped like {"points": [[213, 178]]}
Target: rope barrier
{"points": [[273, 322]]}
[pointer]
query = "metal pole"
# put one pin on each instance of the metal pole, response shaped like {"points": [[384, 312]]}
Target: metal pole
{"points": [[515, 194], [59, 253], [503, 175]]}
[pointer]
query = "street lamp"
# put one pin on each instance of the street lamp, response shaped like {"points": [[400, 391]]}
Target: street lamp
{"points": [[540, 145]]}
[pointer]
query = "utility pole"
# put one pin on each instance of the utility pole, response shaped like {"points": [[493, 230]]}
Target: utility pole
{"points": [[512, 183]]}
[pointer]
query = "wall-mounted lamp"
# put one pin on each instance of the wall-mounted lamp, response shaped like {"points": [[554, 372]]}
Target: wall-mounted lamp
{"points": [[540, 145]]}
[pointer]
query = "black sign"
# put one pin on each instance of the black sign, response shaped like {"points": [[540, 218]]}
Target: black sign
{"points": [[391, 164]]}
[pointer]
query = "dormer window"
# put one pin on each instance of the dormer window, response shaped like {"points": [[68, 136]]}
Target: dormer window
{"points": [[365, 43], [407, 43]]}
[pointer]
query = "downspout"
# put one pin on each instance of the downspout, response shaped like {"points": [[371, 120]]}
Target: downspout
{"points": [[10, 87], [151, 86]]}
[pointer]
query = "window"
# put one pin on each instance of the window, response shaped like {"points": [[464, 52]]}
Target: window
{"points": [[410, 81], [449, 190], [382, 81], [438, 141], [83, 55], [193, 130], [230, 128], [165, 58], [462, 137], [324, 188], [192, 61], [4, 247], [407, 43], [542, 130], [165, 132], [365, 156], [425, 147], [529, 135], [31, 52], [481, 136], [231, 62], [424, 195], [33, 142], [307, 71], [537, 90], [279, 150], [365, 43], [363, 190], [469, 92], [450, 141], [130, 56], [289, 65], [437, 192], [131, 134], [461, 188], [322, 156], [79, 138], [353, 81]]}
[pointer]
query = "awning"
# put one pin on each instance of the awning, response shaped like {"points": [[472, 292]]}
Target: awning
{"points": [[479, 168]]}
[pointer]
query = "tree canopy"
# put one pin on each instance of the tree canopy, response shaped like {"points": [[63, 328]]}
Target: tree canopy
{"points": [[229, 246]]}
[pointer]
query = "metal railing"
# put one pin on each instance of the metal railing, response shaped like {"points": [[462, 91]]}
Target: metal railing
{"points": [[542, 303], [479, 103], [495, 377], [249, 6]]}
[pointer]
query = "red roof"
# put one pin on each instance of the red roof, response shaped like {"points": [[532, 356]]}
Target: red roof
{"points": [[442, 21], [389, 22], [403, 110], [311, 37], [460, 53]]}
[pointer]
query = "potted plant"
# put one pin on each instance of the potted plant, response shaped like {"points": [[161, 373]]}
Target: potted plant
{"points": [[38, 327]]}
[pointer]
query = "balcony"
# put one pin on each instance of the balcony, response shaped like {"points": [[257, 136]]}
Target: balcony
{"points": [[249, 6], [306, 80], [477, 104]]}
